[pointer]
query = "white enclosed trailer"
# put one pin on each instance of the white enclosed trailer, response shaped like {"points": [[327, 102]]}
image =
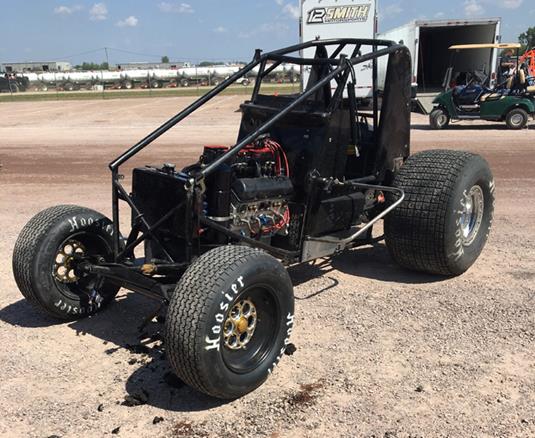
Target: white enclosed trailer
{"points": [[328, 19], [429, 42]]}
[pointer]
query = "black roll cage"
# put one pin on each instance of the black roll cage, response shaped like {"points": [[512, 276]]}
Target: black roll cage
{"points": [[343, 68]]}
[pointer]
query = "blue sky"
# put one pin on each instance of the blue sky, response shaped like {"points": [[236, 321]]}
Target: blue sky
{"points": [[197, 29]]}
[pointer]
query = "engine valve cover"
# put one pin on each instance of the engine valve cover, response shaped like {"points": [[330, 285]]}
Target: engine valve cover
{"points": [[249, 189]]}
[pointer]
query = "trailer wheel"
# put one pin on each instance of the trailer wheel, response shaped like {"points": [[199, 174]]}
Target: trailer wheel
{"points": [[442, 225], [44, 261], [128, 85], [69, 86], [229, 321], [439, 118], [155, 84], [517, 119]]}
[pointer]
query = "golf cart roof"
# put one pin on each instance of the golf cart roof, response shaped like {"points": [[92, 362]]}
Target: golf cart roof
{"points": [[486, 46]]}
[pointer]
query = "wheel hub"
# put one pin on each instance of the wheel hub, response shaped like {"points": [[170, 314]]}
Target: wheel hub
{"points": [[64, 270], [240, 325], [471, 215], [517, 119]]}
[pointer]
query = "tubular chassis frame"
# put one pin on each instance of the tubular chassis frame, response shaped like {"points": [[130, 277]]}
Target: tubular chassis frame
{"points": [[340, 70]]}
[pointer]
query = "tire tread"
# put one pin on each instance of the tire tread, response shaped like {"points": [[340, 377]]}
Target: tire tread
{"points": [[188, 309], [415, 231], [27, 247]]}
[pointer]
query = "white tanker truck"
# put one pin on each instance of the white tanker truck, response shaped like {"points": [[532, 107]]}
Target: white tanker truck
{"points": [[145, 78]]}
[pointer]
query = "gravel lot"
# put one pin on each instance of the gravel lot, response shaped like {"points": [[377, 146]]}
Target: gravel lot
{"points": [[381, 351]]}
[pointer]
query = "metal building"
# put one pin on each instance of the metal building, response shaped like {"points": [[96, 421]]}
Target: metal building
{"points": [[20, 67]]}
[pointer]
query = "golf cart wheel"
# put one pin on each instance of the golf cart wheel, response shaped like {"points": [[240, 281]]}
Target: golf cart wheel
{"points": [[442, 225], [517, 118], [45, 261], [439, 118], [229, 321]]}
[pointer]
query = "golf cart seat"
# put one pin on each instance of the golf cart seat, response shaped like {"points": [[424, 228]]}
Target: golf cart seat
{"points": [[468, 94], [491, 96], [531, 89]]}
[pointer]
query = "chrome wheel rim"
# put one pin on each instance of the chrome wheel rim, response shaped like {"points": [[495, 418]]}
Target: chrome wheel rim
{"points": [[517, 119], [240, 325], [471, 214], [64, 271]]}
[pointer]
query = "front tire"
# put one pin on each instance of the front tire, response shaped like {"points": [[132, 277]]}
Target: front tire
{"points": [[44, 261], [517, 119], [442, 225], [229, 321], [439, 119]]}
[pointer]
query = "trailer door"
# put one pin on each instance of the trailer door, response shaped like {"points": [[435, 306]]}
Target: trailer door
{"points": [[434, 56], [330, 19]]}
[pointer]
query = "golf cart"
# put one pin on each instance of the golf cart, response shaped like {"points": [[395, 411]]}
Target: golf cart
{"points": [[470, 98], [308, 178]]}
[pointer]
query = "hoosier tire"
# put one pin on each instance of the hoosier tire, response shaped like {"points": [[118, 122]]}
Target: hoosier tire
{"points": [[442, 225], [42, 255], [230, 298]]}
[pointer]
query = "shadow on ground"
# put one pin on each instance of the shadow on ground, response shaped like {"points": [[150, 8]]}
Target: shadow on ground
{"points": [[152, 381], [21, 313], [464, 127], [373, 262]]}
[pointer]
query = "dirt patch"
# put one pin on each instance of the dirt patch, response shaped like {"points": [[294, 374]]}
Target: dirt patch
{"points": [[187, 429], [307, 394]]}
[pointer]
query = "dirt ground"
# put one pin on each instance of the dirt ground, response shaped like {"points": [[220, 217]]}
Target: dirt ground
{"points": [[381, 352]]}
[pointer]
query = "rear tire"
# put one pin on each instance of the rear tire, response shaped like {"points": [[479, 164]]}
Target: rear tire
{"points": [[43, 261], [442, 225], [210, 320], [439, 119], [517, 119]]}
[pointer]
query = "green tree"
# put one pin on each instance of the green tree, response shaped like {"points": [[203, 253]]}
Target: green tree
{"points": [[165, 59], [527, 39], [92, 66]]}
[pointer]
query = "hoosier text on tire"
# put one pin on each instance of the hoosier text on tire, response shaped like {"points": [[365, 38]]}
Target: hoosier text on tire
{"points": [[229, 321]]}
